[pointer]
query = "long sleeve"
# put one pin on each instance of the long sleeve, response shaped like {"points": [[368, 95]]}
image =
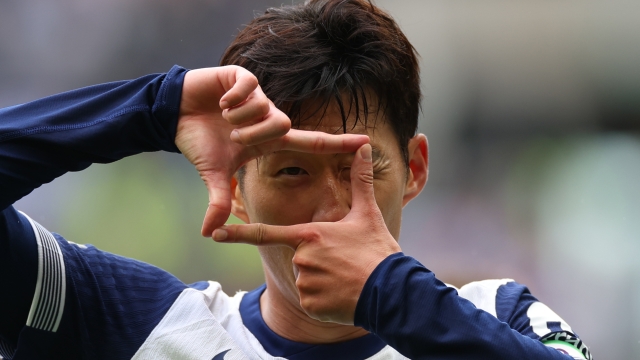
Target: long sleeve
{"points": [[421, 317], [44, 139]]}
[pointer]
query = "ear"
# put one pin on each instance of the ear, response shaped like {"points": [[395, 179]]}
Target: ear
{"points": [[237, 201], [418, 167]]}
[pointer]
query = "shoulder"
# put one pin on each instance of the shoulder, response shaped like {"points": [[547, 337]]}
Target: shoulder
{"points": [[203, 322], [484, 294], [513, 303], [105, 302], [502, 298]]}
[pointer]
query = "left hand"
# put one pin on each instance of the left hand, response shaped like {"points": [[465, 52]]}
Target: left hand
{"points": [[333, 260]]}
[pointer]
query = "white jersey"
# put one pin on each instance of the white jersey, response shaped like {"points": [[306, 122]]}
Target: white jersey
{"points": [[197, 317]]}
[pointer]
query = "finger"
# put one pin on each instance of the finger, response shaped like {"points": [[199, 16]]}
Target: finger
{"points": [[254, 108], [362, 194], [239, 83], [218, 185], [312, 142], [322, 143], [273, 124], [262, 234]]}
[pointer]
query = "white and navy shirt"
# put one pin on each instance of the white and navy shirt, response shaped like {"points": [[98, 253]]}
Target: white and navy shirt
{"points": [[67, 301], [92, 304]]}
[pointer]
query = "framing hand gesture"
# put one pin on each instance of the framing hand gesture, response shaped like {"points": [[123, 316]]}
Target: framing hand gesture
{"points": [[226, 120]]}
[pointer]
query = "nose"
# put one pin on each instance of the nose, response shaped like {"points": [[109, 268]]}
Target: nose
{"points": [[333, 199]]}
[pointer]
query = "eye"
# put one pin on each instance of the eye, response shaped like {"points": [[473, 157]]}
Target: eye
{"points": [[292, 171]]}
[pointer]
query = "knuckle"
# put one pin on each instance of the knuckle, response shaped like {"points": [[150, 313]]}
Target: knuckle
{"points": [[260, 234], [313, 308], [366, 176], [296, 259], [262, 106], [251, 79], [310, 235], [307, 304], [302, 286], [246, 136], [283, 125], [301, 262], [319, 144]]}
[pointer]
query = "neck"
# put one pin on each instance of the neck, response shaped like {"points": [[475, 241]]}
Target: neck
{"points": [[289, 321]]}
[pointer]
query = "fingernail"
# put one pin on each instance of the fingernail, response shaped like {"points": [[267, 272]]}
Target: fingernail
{"points": [[220, 234], [235, 136], [365, 152], [224, 104]]}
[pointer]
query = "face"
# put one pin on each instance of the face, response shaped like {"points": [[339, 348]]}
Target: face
{"points": [[287, 187]]}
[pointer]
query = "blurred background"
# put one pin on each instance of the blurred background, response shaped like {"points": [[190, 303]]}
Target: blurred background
{"points": [[532, 109]]}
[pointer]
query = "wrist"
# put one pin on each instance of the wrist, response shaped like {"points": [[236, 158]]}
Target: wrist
{"points": [[166, 108]]}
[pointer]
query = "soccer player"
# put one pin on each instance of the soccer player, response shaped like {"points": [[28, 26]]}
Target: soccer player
{"points": [[331, 66]]}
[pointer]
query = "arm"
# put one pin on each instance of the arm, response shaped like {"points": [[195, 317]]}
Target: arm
{"points": [[217, 117], [408, 307], [42, 140]]}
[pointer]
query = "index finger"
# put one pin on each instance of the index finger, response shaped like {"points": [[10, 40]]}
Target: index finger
{"points": [[260, 234], [322, 143], [317, 142]]}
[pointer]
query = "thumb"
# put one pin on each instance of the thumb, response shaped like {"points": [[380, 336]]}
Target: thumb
{"points": [[362, 196], [218, 185]]}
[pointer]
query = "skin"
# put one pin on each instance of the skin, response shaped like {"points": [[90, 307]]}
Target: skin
{"points": [[226, 120], [302, 302]]}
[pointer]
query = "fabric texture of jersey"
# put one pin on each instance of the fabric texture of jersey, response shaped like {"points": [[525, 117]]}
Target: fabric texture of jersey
{"points": [[70, 301], [146, 313]]}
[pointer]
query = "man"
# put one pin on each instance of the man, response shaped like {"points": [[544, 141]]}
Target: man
{"points": [[346, 66], [331, 66]]}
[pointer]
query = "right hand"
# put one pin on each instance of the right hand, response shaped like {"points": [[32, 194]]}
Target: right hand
{"points": [[333, 260], [226, 120]]}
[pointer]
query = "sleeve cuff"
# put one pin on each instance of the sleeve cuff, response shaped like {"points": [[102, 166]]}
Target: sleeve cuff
{"points": [[367, 302], [166, 108]]}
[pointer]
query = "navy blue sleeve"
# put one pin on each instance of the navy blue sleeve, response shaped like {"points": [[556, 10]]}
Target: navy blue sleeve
{"points": [[89, 304], [411, 310], [44, 139], [112, 303], [18, 273]]}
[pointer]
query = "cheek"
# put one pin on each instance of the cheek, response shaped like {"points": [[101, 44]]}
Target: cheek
{"points": [[269, 203]]}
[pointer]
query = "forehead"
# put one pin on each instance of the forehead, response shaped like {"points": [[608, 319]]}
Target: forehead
{"points": [[331, 121]]}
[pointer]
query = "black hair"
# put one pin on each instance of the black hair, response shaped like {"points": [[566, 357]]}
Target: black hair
{"points": [[349, 52]]}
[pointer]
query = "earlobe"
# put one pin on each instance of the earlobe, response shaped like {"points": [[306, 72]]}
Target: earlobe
{"points": [[418, 167], [237, 201]]}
